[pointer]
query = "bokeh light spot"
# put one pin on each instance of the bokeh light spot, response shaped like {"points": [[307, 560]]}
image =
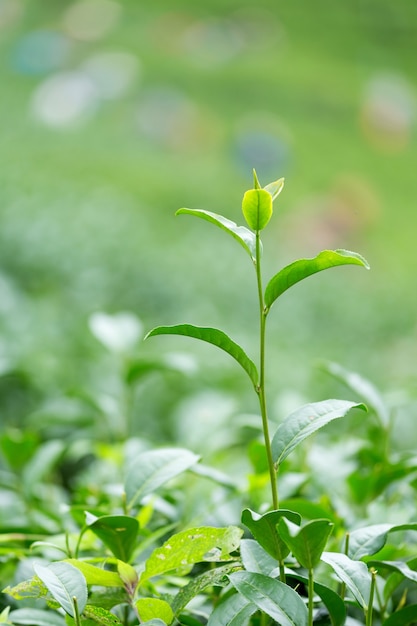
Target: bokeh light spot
{"points": [[90, 20]]}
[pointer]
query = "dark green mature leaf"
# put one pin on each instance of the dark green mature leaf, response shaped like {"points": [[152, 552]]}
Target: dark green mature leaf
{"points": [[36, 616], [303, 268], [332, 601], [241, 234], [369, 540], [304, 422], [197, 584], [65, 582], [308, 542], [353, 573], [264, 529], [234, 611], [363, 387], [118, 533], [193, 546], [271, 596], [154, 468], [257, 208], [216, 338], [407, 616]]}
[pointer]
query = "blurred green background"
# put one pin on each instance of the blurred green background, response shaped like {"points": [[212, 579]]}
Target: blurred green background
{"points": [[116, 113]]}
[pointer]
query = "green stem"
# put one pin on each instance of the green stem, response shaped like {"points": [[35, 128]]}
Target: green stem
{"points": [[371, 599], [77, 619], [310, 596], [261, 386], [282, 575], [346, 551]]}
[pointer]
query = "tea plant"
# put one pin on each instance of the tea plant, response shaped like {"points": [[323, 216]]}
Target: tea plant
{"points": [[122, 554]]}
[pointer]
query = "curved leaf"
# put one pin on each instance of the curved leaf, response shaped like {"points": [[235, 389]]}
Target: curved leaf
{"points": [[118, 533], [303, 268], [154, 608], [65, 582], [241, 234], [369, 540], [234, 611], [308, 542], [257, 208], [153, 468], [305, 421], [353, 573], [271, 596], [407, 616], [264, 529], [395, 566], [216, 338], [96, 575]]}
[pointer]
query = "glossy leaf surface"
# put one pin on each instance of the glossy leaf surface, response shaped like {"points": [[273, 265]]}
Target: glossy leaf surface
{"points": [[264, 529], [154, 608], [234, 611], [214, 336], [395, 566], [241, 234], [353, 573], [64, 582], [193, 546], [332, 601], [303, 268], [304, 422], [369, 540], [272, 597], [257, 208], [308, 542], [118, 533], [154, 468], [407, 616]]}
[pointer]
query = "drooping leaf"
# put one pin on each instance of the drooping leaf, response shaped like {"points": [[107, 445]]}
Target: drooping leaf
{"points": [[353, 573], [264, 529], [154, 468], [216, 338], [118, 533], [369, 540], [193, 546], [303, 268], [305, 421], [271, 596], [257, 208], [216, 576], [241, 234], [36, 616], [256, 559], [154, 608], [96, 575], [332, 601], [395, 566], [64, 582], [363, 387], [234, 611], [407, 616], [308, 542]]}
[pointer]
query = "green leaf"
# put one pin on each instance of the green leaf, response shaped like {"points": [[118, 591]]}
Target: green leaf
{"points": [[36, 616], [369, 540], [303, 268], [257, 208], [154, 468], [197, 584], [332, 601], [216, 338], [407, 616], [96, 575], [193, 546], [308, 542], [118, 533], [256, 559], [395, 566], [241, 234], [363, 387], [101, 616], [65, 582], [304, 422], [33, 588], [154, 608], [264, 529], [129, 576], [256, 183], [234, 611], [353, 573], [271, 596], [275, 188]]}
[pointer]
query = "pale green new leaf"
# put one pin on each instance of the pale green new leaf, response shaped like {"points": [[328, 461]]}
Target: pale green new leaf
{"points": [[271, 596], [234, 611], [257, 208], [193, 546], [36, 616], [154, 468], [354, 574], [154, 608], [305, 421], [275, 188], [96, 575], [64, 582], [241, 234], [216, 338], [303, 268]]}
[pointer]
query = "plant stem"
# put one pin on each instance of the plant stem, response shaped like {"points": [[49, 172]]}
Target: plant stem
{"points": [[371, 599], [76, 613], [310, 596], [261, 386]]}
